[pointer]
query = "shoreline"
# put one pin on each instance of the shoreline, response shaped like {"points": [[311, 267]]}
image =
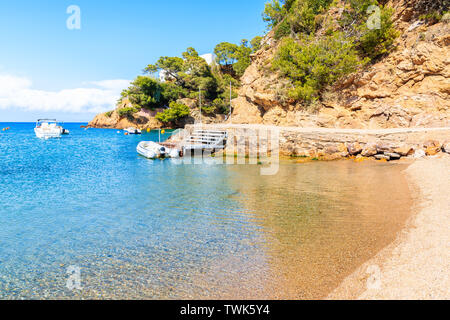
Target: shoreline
{"points": [[416, 265], [333, 144]]}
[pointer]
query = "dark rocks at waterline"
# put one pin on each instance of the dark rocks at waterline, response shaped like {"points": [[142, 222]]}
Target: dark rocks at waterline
{"points": [[446, 147], [384, 147], [354, 148], [382, 157], [384, 151], [404, 150], [369, 150], [392, 155]]}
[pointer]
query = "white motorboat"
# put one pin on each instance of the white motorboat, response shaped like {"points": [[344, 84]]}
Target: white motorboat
{"points": [[132, 130], [152, 150], [48, 128]]}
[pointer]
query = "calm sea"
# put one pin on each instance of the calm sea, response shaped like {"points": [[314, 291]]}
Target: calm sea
{"points": [[85, 217]]}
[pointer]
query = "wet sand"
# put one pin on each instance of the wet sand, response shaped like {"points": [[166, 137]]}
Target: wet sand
{"points": [[417, 264], [319, 221]]}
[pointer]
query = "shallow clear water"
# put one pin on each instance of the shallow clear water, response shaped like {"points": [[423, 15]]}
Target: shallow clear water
{"points": [[138, 228]]}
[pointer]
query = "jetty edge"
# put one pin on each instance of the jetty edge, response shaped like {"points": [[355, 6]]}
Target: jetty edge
{"points": [[332, 144]]}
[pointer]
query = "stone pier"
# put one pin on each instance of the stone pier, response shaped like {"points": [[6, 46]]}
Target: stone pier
{"points": [[338, 143]]}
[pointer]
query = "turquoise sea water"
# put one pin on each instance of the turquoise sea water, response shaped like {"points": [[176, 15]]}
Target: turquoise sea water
{"points": [[138, 228], [89, 200]]}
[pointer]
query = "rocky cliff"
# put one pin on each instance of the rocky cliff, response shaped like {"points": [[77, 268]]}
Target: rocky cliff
{"points": [[408, 88]]}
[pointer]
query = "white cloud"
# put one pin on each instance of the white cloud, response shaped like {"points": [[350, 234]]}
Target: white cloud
{"points": [[118, 85], [96, 97]]}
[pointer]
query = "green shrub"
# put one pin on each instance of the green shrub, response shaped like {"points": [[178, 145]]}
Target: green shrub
{"points": [[218, 106], [376, 42], [275, 11], [314, 63], [236, 57], [282, 30], [243, 59], [108, 114], [210, 110], [433, 8], [302, 18], [225, 53], [144, 92], [255, 43], [175, 112], [372, 42], [186, 76], [127, 112], [432, 17], [294, 16]]}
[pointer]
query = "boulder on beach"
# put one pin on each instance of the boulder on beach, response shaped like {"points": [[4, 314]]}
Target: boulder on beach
{"points": [[404, 150], [432, 147], [369, 150], [354, 148], [392, 155], [382, 157], [383, 147]]}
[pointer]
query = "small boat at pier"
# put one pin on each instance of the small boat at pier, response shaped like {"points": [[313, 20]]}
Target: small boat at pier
{"points": [[153, 150]]}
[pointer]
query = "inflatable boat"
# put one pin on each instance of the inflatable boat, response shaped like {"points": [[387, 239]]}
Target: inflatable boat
{"points": [[152, 150]]}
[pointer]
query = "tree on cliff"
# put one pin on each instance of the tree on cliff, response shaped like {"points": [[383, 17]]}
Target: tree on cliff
{"points": [[225, 53], [310, 60], [184, 77], [190, 73], [174, 113], [238, 57], [171, 65], [144, 92]]}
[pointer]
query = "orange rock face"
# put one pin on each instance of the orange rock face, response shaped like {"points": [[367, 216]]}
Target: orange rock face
{"points": [[408, 88]]}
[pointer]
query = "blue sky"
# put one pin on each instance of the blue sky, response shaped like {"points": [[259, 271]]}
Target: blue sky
{"points": [[48, 70]]}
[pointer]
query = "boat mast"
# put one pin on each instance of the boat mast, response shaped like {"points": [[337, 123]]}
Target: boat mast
{"points": [[230, 103], [200, 103]]}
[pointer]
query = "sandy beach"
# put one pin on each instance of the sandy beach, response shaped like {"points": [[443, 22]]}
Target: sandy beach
{"points": [[417, 264]]}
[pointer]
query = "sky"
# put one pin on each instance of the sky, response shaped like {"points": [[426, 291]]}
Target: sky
{"points": [[51, 68]]}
